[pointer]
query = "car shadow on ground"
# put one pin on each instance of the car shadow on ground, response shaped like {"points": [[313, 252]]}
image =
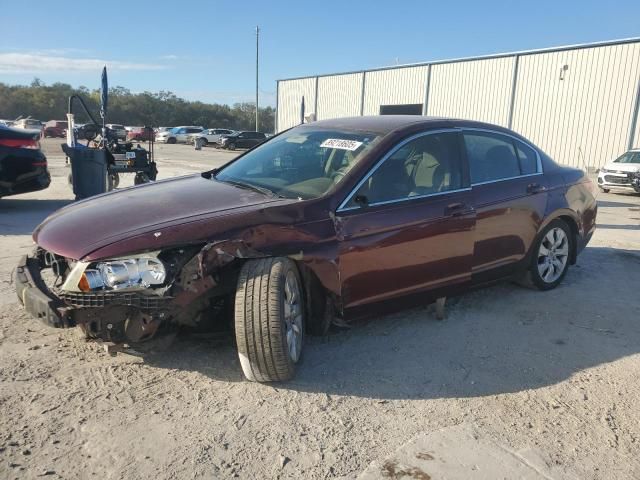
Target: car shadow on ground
{"points": [[496, 340], [619, 227], [20, 216], [605, 203]]}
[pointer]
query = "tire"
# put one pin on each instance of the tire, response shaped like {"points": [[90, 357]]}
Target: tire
{"points": [[171, 141], [551, 255], [605, 190], [141, 178], [113, 180], [269, 343], [204, 142], [231, 146]]}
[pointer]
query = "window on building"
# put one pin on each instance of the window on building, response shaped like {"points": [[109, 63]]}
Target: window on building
{"points": [[408, 109]]}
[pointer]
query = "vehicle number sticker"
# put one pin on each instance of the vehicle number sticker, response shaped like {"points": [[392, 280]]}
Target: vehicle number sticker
{"points": [[341, 144], [131, 155]]}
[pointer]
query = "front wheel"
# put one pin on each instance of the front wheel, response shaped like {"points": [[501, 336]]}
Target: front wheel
{"points": [[269, 319], [231, 146], [551, 255]]}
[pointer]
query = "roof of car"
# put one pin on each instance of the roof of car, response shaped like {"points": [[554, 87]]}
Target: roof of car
{"points": [[384, 124]]}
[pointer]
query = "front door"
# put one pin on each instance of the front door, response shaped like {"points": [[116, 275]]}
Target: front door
{"points": [[408, 226]]}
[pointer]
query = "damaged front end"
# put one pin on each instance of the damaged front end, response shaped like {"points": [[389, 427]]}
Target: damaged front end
{"points": [[128, 299]]}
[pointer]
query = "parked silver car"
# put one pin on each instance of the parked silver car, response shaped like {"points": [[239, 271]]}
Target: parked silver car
{"points": [[178, 134], [211, 136]]}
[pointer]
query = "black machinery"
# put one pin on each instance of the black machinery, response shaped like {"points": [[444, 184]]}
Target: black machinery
{"points": [[95, 167]]}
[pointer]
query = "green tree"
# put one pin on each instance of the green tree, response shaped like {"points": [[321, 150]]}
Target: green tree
{"points": [[163, 108]]}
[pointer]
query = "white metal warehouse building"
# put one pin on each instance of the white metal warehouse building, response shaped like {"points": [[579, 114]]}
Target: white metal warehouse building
{"points": [[578, 103]]}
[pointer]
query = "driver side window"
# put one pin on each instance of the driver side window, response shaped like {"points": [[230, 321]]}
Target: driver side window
{"points": [[424, 166]]}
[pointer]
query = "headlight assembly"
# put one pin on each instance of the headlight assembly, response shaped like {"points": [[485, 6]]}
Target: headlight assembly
{"points": [[129, 273]]}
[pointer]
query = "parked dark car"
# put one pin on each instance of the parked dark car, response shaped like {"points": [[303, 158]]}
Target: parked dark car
{"points": [[119, 130], [241, 140], [330, 219], [55, 129], [23, 167]]}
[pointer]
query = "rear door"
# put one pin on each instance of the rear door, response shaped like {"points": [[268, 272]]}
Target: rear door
{"points": [[408, 225], [509, 196]]}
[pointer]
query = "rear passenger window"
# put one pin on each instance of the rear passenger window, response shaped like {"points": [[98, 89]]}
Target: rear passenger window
{"points": [[491, 156], [527, 157]]}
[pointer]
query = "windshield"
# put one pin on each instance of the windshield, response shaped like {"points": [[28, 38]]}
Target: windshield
{"points": [[629, 157], [301, 163]]}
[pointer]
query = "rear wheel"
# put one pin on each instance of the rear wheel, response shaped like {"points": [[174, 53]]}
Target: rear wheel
{"points": [[269, 319], [113, 180], [551, 255], [140, 178], [171, 141]]}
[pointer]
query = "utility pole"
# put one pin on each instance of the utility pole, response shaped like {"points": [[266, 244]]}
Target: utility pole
{"points": [[257, 44]]}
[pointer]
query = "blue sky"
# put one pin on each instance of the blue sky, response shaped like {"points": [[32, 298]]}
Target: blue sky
{"points": [[205, 50]]}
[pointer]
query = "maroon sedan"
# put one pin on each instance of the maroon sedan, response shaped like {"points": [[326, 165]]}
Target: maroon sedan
{"points": [[55, 129], [325, 220]]}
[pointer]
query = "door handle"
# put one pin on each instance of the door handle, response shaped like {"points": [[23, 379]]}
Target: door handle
{"points": [[533, 188], [456, 209]]}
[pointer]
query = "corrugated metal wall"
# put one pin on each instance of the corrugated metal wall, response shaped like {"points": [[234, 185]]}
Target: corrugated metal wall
{"points": [[583, 119], [476, 90], [394, 87], [290, 95], [339, 96]]}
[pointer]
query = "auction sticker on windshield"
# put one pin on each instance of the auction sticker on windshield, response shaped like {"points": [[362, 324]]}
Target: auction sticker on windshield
{"points": [[341, 144]]}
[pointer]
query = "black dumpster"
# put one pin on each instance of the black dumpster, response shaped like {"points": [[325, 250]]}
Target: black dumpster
{"points": [[89, 169]]}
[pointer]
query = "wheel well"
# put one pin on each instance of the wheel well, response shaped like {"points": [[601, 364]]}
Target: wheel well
{"points": [[574, 236], [319, 303]]}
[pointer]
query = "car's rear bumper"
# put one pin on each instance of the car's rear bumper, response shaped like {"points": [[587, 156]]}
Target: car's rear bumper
{"points": [[36, 298], [31, 182]]}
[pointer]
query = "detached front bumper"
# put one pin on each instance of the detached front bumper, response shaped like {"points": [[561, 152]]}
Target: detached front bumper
{"points": [[110, 316], [36, 297]]}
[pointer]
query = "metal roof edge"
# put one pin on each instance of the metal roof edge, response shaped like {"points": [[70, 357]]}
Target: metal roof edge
{"points": [[577, 46]]}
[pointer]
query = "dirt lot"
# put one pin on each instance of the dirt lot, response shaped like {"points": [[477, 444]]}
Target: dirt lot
{"points": [[557, 372]]}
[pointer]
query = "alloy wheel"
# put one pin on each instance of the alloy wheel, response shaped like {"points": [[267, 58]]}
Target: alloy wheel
{"points": [[553, 255], [293, 316]]}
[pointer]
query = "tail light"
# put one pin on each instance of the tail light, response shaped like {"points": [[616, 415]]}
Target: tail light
{"points": [[31, 143]]}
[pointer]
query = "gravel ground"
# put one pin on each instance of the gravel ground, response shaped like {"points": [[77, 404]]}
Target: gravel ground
{"points": [[555, 371]]}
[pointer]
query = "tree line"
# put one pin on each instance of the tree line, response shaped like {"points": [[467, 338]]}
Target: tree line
{"points": [[164, 108]]}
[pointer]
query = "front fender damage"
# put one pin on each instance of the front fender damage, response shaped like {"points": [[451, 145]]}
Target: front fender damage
{"points": [[202, 280]]}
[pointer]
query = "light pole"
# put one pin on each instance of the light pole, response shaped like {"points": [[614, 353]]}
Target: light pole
{"points": [[257, 44]]}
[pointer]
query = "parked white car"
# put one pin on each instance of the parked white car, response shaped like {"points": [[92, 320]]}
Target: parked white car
{"points": [[29, 124], [616, 174], [178, 134], [210, 136]]}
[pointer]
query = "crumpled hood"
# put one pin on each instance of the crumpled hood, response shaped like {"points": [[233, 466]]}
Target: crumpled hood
{"points": [[83, 227], [623, 167]]}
